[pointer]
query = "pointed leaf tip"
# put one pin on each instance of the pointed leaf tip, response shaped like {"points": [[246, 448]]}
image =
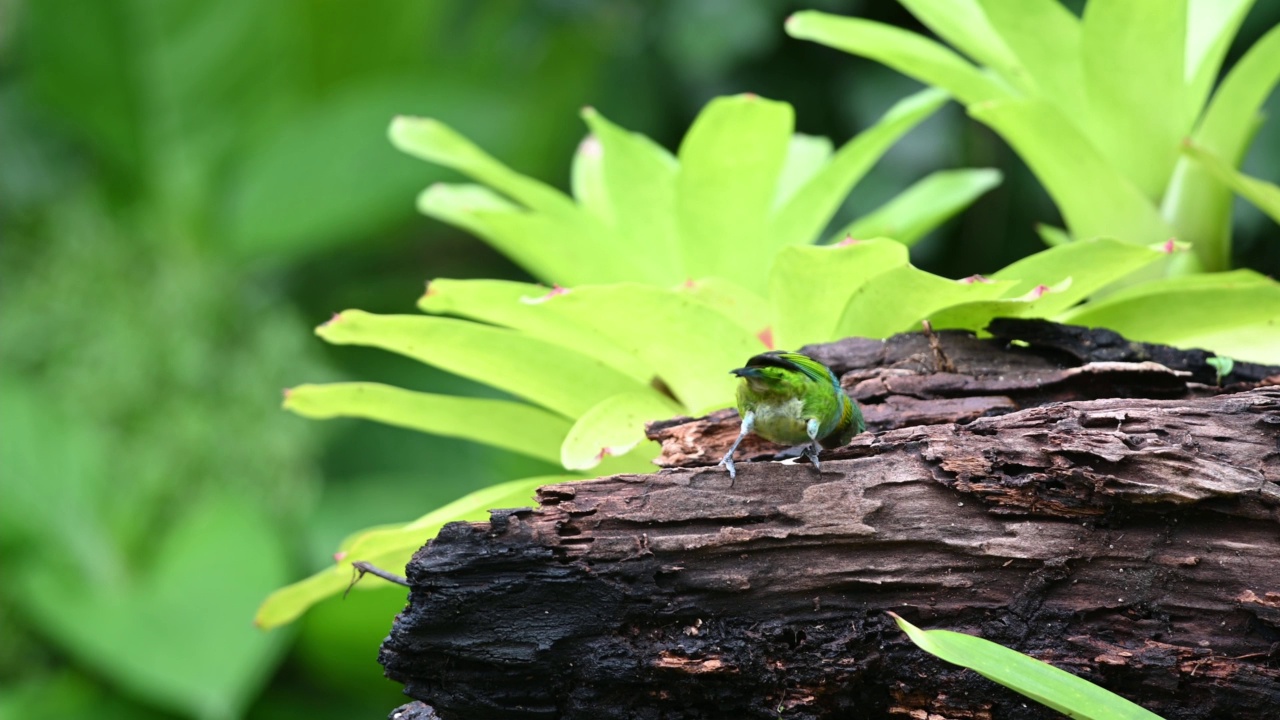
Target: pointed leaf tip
{"points": [[1170, 246], [340, 556], [974, 279], [556, 291], [766, 337], [591, 146], [847, 241]]}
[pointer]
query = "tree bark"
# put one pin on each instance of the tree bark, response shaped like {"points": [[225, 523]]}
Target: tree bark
{"points": [[1133, 540]]}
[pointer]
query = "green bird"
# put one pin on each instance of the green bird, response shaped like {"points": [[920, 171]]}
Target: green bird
{"points": [[789, 398]]}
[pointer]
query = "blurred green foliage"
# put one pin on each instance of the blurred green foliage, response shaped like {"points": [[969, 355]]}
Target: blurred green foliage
{"points": [[187, 187]]}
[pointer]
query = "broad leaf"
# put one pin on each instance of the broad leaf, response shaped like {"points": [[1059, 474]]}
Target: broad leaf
{"points": [[613, 428], [806, 155], [914, 212], [549, 375], [730, 163], [640, 179], [389, 548], [1211, 26], [516, 305], [1134, 56], [964, 24], [1264, 195], [902, 50], [1043, 683], [749, 310], [896, 301], [1198, 203], [807, 213], [548, 248], [689, 345], [587, 180], [438, 143], [1095, 199], [1090, 265], [1045, 37], [809, 287], [509, 425], [1237, 319]]}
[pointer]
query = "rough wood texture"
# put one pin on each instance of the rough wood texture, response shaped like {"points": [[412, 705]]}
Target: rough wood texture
{"points": [[1133, 541]]}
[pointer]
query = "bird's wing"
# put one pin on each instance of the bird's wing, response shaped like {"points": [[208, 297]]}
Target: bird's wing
{"points": [[815, 370]]}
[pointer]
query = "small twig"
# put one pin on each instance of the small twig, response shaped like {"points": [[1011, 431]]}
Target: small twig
{"points": [[361, 567], [941, 362]]}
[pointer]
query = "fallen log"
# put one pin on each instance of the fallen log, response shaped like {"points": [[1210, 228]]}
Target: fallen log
{"points": [[1133, 540]]}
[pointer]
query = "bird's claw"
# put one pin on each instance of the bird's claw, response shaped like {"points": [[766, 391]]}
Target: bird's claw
{"points": [[812, 453], [727, 462]]}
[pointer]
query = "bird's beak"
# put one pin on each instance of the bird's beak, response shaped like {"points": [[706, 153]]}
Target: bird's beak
{"points": [[747, 372]]}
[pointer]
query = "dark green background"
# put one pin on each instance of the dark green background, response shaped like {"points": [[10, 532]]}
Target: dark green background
{"points": [[189, 187]]}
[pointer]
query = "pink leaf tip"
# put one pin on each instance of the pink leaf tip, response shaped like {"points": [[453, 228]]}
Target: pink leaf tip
{"points": [[287, 392], [689, 284], [975, 279], [591, 147], [1170, 246], [556, 291], [340, 556], [1039, 291], [847, 241], [766, 337]]}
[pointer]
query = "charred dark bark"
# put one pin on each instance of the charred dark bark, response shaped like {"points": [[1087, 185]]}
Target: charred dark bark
{"points": [[1133, 540]]}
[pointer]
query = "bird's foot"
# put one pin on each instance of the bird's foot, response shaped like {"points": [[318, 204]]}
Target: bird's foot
{"points": [[727, 462], [812, 453]]}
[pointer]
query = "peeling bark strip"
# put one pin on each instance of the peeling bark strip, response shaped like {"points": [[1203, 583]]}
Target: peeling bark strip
{"points": [[1135, 542]]}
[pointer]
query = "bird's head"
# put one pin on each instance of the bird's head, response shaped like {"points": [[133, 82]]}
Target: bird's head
{"points": [[777, 371]]}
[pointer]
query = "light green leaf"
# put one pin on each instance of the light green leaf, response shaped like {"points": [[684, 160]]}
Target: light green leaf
{"points": [[1052, 236], [550, 248], [1095, 199], [897, 300], [902, 50], [1045, 37], [806, 155], [640, 178], [613, 428], [1134, 57], [389, 548], [689, 345], [1043, 683], [1264, 195], [509, 425], [964, 24], [1239, 319], [746, 308], [924, 206], [517, 305], [807, 213], [730, 163], [587, 180], [1211, 26], [534, 242], [1225, 280], [809, 287], [541, 372], [1197, 203], [438, 143], [1090, 265]]}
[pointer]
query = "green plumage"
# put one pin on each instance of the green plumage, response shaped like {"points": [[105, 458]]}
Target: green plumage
{"points": [[789, 398]]}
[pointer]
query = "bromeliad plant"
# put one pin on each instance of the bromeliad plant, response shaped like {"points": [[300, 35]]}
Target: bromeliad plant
{"points": [[685, 235], [679, 268], [1112, 110]]}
